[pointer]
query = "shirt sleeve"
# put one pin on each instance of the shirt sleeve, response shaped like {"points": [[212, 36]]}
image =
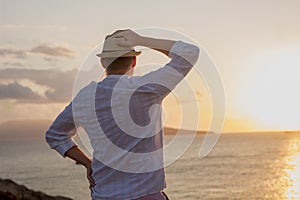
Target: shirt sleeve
{"points": [[162, 81], [59, 135]]}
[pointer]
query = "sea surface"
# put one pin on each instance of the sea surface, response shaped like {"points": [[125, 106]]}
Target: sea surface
{"points": [[241, 166]]}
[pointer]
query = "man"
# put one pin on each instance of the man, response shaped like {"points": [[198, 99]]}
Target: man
{"points": [[122, 117]]}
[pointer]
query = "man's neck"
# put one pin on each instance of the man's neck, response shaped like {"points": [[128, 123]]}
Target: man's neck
{"points": [[115, 73], [129, 73]]}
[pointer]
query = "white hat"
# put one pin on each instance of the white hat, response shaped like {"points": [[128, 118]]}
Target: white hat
{"points": [[111, 49]]}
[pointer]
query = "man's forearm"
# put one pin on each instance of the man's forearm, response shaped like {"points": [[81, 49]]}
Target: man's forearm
{"points": [[133, 39], [77, 155], [161, 45]]}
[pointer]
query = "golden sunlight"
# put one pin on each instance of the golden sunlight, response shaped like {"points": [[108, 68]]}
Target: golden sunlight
{"points": [[271, 94], [293, 170]]}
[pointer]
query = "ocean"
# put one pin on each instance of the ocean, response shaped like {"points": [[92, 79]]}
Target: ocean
{"points": [[241, 166]]}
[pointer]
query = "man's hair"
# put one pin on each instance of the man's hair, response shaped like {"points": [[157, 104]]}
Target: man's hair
{"points": [[116, 64]]}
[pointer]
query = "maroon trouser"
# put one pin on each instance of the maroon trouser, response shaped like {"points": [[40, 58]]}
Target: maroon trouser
{"points": [[156, 196]]}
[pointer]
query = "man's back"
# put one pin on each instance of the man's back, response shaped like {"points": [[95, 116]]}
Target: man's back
{"points": [[122, 163]]}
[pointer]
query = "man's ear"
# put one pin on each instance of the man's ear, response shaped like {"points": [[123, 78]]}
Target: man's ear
{"points": [[134, 61], [102, 62]]}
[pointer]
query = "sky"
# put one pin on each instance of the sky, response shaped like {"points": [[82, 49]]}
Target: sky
{"points": [[255, 46]]}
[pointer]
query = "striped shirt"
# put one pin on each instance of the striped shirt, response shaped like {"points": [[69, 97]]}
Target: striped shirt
{"points": [[122, 118]]}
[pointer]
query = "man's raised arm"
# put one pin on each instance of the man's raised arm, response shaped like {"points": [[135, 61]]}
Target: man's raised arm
{"points": [[183, 57]]}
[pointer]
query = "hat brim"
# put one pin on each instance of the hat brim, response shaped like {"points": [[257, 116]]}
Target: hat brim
{"points": [[117, 54]]}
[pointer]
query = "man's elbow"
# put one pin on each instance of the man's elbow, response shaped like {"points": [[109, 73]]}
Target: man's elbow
{"points": [[50, 140], [195, 52], [191, 54]]}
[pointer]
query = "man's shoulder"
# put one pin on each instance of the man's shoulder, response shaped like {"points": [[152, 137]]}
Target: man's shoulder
{"points": [[86, 91]]}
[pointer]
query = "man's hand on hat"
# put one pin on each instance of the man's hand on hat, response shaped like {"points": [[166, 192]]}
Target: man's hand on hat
{"points": [[131, 38]]}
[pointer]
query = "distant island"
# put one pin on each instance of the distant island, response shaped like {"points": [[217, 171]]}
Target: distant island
{"points": [[28, 129], [10, 190], [31, 129], [24, 129]]}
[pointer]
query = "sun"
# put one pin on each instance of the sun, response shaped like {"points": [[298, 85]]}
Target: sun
{"points": [[271, 94]]}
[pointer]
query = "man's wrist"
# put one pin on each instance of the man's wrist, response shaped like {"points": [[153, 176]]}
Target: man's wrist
{"points": [[87, 163], [146, 41], [140, 41]]}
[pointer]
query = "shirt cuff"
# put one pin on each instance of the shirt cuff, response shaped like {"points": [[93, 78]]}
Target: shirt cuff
{"points": [[187, 51], [63, 148]]}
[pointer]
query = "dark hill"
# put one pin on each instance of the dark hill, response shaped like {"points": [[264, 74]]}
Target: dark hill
{"points": [[9, 190]]}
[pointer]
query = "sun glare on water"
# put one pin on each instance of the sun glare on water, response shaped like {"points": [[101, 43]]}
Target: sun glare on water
{"points": [[293, 171]]}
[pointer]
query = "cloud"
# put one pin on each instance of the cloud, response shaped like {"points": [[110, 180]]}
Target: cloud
{"points": [[11, 52], [51, 59], [59, 50], [51, 54], [13, 64], [17, 91], [60, 83]]}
